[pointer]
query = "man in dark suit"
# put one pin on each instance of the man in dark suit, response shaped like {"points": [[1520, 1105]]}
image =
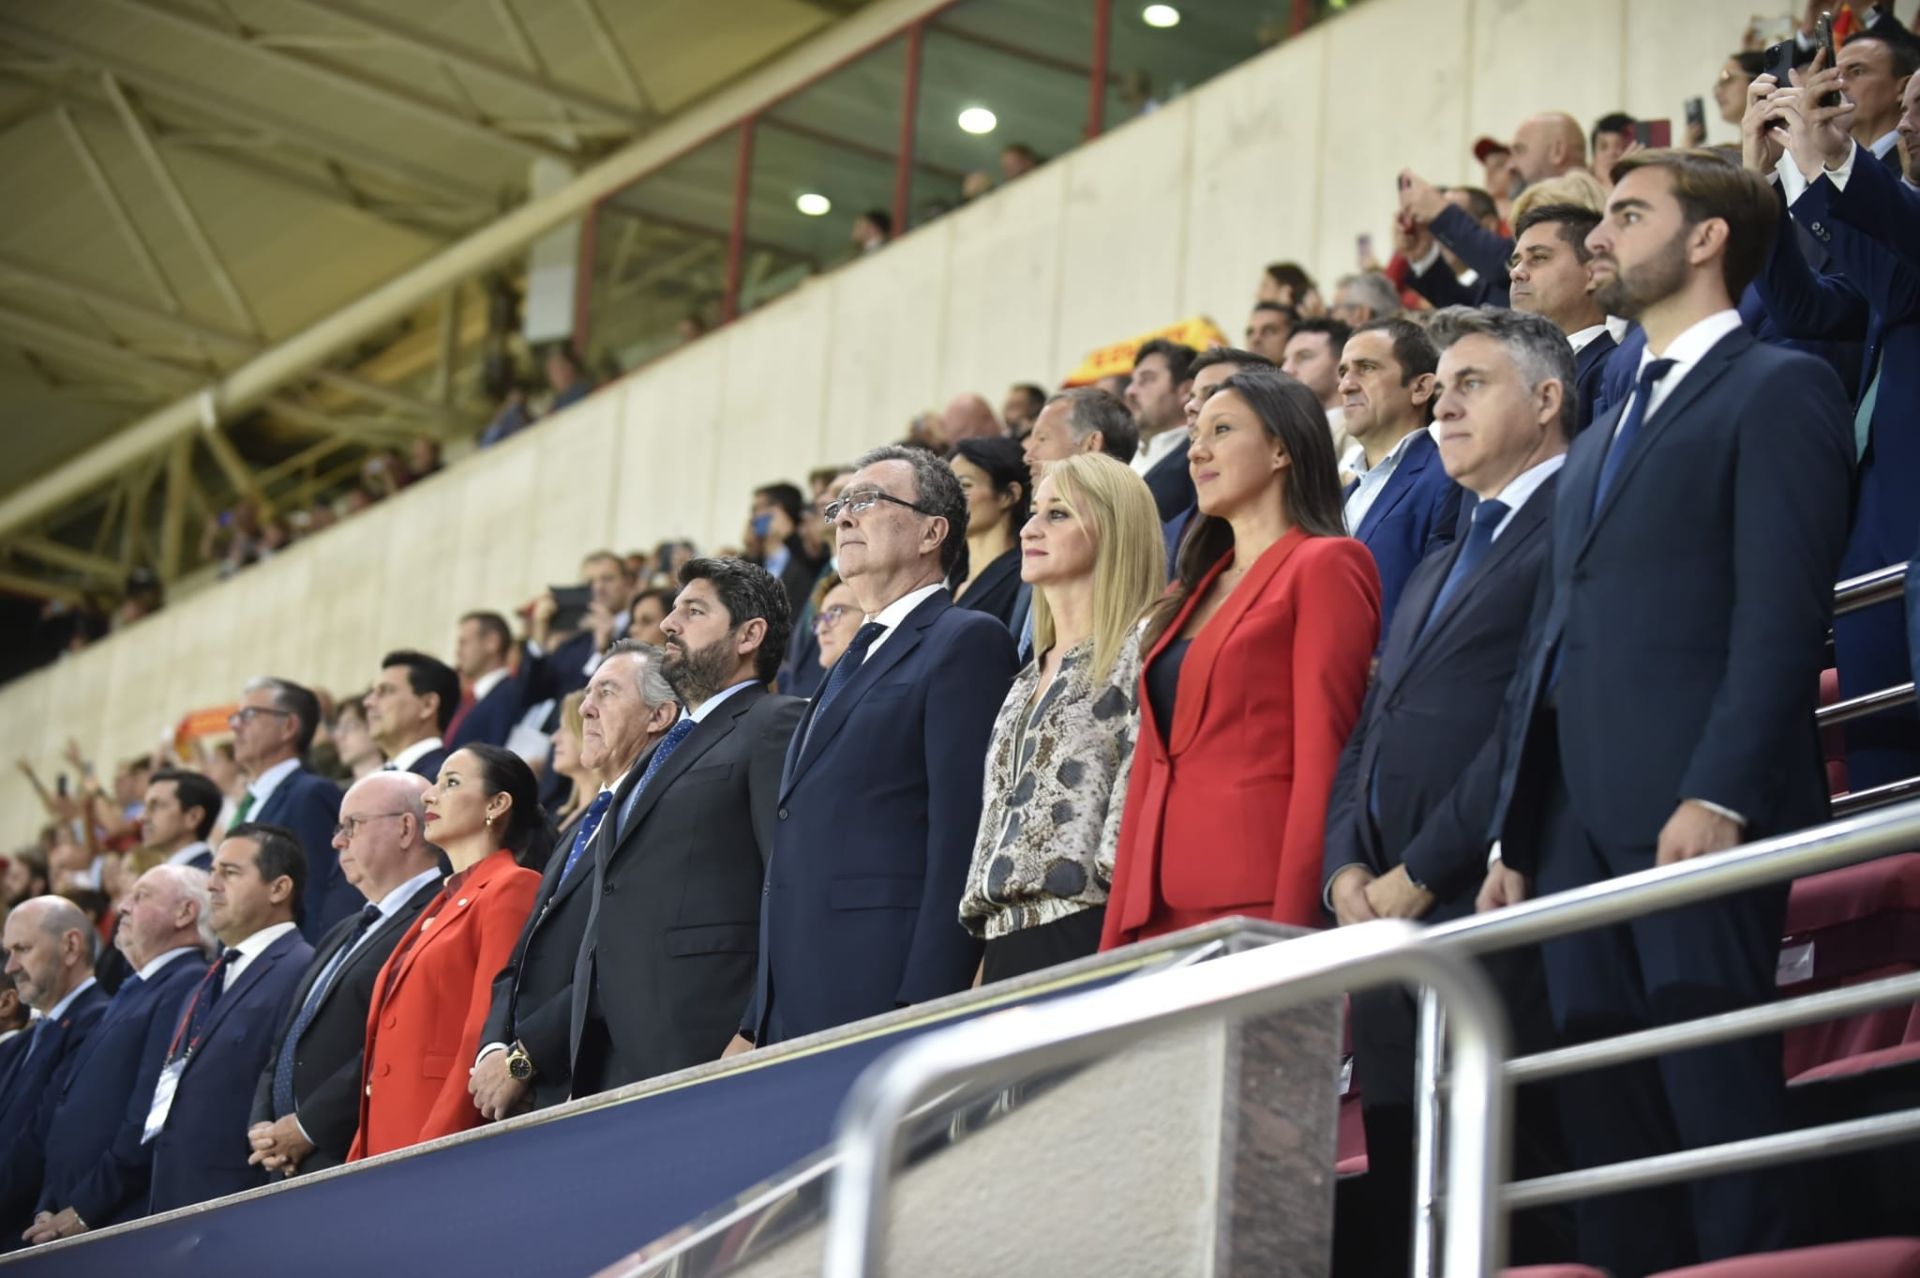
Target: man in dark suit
{"points": [[306, 1100], [49, 945], [15, 1019], [1157, 394], [272, 730], [1550, 276], [527, 1053], [1405, 827], [1663, 704], [409, 709], [178, 815], [775, 525], [497, 697], [880, 795], [97, 1167], [1402, 505], [198, 1121], [559, 665], [1457, 252], [667, 963]]}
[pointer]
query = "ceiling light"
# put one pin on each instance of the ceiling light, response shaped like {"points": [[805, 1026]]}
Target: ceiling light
{"points": [[978, 120], [1160, 15], [813, 204]]}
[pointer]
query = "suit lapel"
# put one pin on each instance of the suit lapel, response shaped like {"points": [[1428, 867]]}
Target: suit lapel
{"points": [[1196, 672], [1412, 462], [817, 731], [262, 963], [453, 908], [706, 734], [1531, 516], [1416, 600]]}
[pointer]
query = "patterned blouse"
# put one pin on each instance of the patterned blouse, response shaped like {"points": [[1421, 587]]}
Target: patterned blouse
{"points": [[1045, 849]]}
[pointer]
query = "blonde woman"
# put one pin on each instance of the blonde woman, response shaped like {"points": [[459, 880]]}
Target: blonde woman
{"points": [[566, 741], [1058, 759]]}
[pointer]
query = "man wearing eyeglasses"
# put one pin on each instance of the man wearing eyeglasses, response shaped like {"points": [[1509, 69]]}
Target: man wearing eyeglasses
{"points": [[880, 796], [307, 1102], [272, 730]]}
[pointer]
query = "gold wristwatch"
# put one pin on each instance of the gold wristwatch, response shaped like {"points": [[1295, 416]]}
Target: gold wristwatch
{"points": [[519, 1064]]}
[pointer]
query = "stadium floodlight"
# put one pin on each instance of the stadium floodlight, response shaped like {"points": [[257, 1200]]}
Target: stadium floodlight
{"points": [[1160, 15], [813, 204], [977, 119]]}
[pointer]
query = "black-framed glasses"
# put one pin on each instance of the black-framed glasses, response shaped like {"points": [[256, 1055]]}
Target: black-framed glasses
{"points": [[351, 825], [830, 616], [861, 502], [247, 714]]}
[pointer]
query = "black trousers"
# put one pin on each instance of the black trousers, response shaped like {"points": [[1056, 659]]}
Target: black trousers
{"points": [[1033, 949]]}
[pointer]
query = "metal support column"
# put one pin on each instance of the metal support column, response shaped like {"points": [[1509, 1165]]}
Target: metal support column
{"points": [[1097, 80], [737, 234], [909, 121]]}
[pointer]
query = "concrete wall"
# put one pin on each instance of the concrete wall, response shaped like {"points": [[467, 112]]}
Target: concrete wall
{"points": [[1289, 155]]}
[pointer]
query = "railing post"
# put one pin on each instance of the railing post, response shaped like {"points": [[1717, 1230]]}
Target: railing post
{"points": [[737, 233], [909, 125], [1429, 1054], [1097, 76]]}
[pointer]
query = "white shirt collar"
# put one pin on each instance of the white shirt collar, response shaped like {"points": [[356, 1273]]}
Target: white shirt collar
{"points": [[390, 903], [263, 786], [1523, 486], [60, 1009], [1692, 345], [16, 1033], [896, 612], [1152, 450], [410, 755], [185, 855], [1585, 337], [158, 961], [712, 703], [487, 683], [1468, 277], [1885, 143], [251, 949], [1393, 456]]}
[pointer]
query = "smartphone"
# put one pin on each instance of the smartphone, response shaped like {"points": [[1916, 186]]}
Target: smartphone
{"points": [[1653, 133], [1696, 114], [1823, 30], [1363, 250], [60, 785], [570, 605], [1779, 63]]}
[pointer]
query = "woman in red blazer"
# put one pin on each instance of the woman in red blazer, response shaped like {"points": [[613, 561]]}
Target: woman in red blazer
{"points": [[1256, 662], [430, 1000]]}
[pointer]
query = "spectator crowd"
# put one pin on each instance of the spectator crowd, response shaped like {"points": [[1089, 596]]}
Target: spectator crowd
{"points": [[1500, 568]]}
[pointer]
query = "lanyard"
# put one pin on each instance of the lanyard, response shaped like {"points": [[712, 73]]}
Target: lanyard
{"points": [[219, 966]]}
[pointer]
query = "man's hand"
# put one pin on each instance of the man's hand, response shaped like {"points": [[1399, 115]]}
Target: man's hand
{"points": [[600, 621], [1761, 146], [1820, 137], [1419, 198], [279, 1146], [1503, 887], [48, 1226], [540, 619], [1411, 239], [1693, 830], [740, 1046], [1348, 892], [1394, 895], [496, 1093]]}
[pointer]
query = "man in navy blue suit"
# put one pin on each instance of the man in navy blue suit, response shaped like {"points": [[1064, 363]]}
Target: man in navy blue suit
{"points": [[1551, 276], [409, 708], [1157, 394], [49, 945], [1663, 705], [97, 1169], [498, 697], [1402, 505], [198, 1121], [272, 731], [880, 798]]}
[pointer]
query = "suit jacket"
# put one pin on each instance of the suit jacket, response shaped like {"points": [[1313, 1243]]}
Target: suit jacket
{"points": [[309, 805], [1227, 812], [1430, 713], [493, 716], [428, 764], [1171, 483], [202, 1151], [1173, 532], [328, 1058], [546, 678], [1414, 513], [996, 591], [669, 956], [95, 1162], [1589, 378], [1442, 287], [1879, 205], [32, 1084], [873, 834], [1483, 250], [532, 996], [430, 1003], [1688, 615]]}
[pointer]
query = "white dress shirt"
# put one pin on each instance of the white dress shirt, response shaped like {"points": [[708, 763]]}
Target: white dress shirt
{"points": [[59, 1009], [1152, 450], [896, 612], [251, 949], [185, 855], [487, 683], [1373, 479], [1585, 337], [410, 755], [152, 966], [263, 786], [1523, 486], [712, 703], [1686, 350]]}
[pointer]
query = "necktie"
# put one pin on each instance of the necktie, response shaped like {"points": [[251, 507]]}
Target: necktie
{"points": [[243, 807], [844, 670], [194, 1023], [668, 744], [133, 982], [1473, 552], [588, 824], [1863, 416], [1629, 429], [283, 1103]]}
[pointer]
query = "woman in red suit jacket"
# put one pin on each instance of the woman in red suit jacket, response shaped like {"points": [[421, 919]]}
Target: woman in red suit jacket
{"points": [[430, 1000], [1256, 663]]}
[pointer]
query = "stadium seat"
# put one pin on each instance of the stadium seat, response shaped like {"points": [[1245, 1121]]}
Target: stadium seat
{"points": [[1873, 1258], [1846, 926], [1350, 1158], [1833, 741], [1554, 1271]]}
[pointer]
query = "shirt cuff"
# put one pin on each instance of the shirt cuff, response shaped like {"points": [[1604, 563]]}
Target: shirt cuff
{"points": [[1717, 810], [1840, 175], [1493, 854], [1793, 183], [301, 1128], [489, 1050], [1425, 264]]}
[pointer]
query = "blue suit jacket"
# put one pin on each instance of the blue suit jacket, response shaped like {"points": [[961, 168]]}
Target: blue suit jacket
{"points": [[492, 718], [95, 1162], [27, 1090], [309, 805], [1880, 206], [202, 1151], [874, 830], [1688, 615], [1483, 250], [1171, 483], [428, 764], [1414, 513], [1590, 379]]}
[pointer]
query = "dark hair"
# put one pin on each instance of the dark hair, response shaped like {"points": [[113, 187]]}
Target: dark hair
{"points": [[1752, 62], [1022, 149], [748, 592], [565, 351], [663, 595], [1576, 222], [1291, 275], [277, 854], [1092, 408], [785, 496], [529, 834], [1179, 357], [1337, 331], [1292, 417], [1902, 49], [1413, 350], [1036, 396], [1287, 311], [492, 623], [1612, 122], [1003, 459], [1708, 185], [297, 701], [193, 790], [428, 675], [936, 491], [1231, 355], [881, 219], [1480, 205], [1533, 344]]}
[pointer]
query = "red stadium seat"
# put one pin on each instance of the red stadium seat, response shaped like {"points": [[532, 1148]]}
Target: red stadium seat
{"points": [[1554, 1271], [1833, 741], [1864, 1063], [1350, 1157], [1874, 1258], [1846, 926]]}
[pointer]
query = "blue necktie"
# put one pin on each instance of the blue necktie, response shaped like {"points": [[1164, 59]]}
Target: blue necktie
{"points": [[283, 1103], [1473, 552], [588, 824], [661, 753], [1629, 429], [133, 982], [843, 671]]}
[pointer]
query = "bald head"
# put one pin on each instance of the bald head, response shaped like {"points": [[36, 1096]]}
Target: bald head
{"points": [[381, 837], [969, 416], [49, 945], [167, 910], [1548, 145]]}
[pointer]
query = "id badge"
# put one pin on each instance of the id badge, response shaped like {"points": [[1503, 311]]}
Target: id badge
{"points": [[163, 1098]]}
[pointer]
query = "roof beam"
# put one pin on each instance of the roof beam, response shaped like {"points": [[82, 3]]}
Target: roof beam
{"points": [[34, 588], [517, 34], [117, 208], [47, 336], [617, 59], [68, 557]]}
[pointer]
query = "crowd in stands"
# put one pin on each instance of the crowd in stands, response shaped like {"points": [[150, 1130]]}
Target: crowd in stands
{"points": [[1503, 569]]}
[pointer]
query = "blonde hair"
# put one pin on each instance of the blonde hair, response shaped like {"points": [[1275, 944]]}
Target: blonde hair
{"points": [[570, 716], [1129, 557], [1576, 187]]}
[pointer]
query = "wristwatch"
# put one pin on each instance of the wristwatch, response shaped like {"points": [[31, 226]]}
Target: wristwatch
{"points": [[519, 1064]]}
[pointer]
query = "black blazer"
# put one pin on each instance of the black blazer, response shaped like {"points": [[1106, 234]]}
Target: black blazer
{"points": [[533, 995], [675, 927], [493, 716], [328, 1059], [1429, 713], [1689, 614], [1171, 482], [1589, 379], [428, 764], [996, 590]]}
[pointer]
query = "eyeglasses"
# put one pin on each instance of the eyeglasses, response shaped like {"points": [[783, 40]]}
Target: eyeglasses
{"points": [[351, 825], [247, 714], [830, 617], [861, 502]]}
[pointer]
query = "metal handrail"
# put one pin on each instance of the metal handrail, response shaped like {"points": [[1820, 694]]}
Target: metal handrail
{"points": [[1901, 694], [1870, 588], [990, 1052]]}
